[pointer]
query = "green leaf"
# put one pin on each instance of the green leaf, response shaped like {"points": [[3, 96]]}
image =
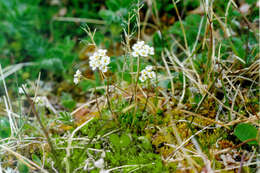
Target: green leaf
{"points": [[36, 159], [22, 168], [67, 101], [114, 139], [145, 142], [53, 64], [5, 130], [107, 15], [246, 131], [124, 140], [251, 1]]}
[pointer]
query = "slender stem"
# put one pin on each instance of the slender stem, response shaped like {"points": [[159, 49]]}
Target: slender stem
{"points": [[97, 100], [107, 96], [138, 21], [146, 101], [182, 27], [136, 82], [40, 122]]}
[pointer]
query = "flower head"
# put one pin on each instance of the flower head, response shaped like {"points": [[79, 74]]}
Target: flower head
{"points": [[149, 68], [147, 73], [143, 78], [151, 75], [39, 100], [77, 77], [141, 49], [105, 60], [103, 69], [99, 60], [102, 52]]}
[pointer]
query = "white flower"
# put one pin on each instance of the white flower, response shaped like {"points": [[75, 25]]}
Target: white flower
{"points": [[141, 49], [149, 68], [147, 73], [40, 101], [10, 170], [102, 52], [151, 75], [99, 60], [144, 72], [151, 50], [143, 78], [143, 52], [77, 77], [95, 56], [105, 60], [93, 65], [76, 80], [134, 54], [103, 69], [137, 46]]}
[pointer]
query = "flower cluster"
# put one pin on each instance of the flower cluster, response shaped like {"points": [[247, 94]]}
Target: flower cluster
{"points": [[141, 49], [147, 73], [40, 100], [77, 77], [99, 60]]}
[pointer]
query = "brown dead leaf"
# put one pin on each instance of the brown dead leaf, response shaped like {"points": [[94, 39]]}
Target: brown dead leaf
{"points": [[65, 127], [83, 115]]}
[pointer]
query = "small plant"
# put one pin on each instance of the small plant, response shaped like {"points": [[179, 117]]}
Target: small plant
{"points": [[66, 118], [246, 132], [158, 86]]}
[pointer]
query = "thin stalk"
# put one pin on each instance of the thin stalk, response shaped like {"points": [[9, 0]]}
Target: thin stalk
{"points": [[135, 88], [137, 76], [138, 21], [146, 101], [40, 122], [182, 27], [97, 100], [108, 100]]}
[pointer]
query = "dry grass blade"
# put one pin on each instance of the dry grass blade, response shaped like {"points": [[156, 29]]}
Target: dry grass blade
{"points": [[24, 160]]}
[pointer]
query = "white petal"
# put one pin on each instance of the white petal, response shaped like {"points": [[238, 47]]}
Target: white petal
{"points": [[151, 51], [142, 78], [76, 80], [134, 54], [149, 68], [102, 52], [103, 69], [151, 75], [146, 48], [143, 53], [77, 74], [144, 72], [141, 43], [105, 60]]}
